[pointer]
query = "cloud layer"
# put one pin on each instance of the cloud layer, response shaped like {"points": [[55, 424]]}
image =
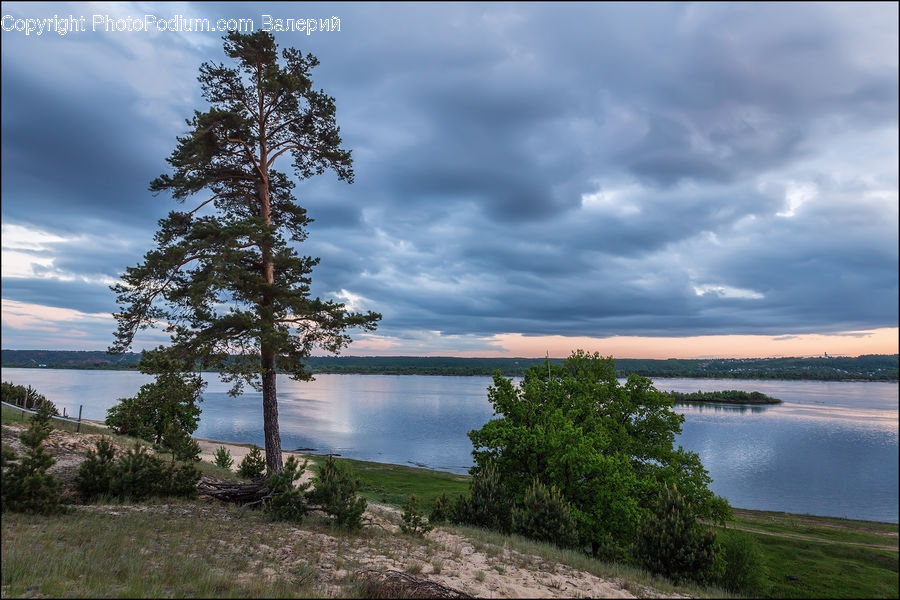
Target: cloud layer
{"points": [[537, 169]]}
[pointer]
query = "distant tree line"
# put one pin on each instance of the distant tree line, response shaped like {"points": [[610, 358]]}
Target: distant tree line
{"points": [[871, 367], [723, 396]]}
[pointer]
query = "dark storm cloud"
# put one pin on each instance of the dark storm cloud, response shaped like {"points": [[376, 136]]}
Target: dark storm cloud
{"points": [[576, 169], [77, 295]]}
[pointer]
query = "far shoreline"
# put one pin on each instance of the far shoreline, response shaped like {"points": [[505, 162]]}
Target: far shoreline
{"points": [[506, 375]]}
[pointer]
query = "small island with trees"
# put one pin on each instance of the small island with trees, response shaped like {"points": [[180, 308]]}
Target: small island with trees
{"points": [[722, 397]]}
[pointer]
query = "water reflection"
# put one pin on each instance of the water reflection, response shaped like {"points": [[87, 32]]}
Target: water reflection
{"points": [[828, 448], [721, 407]]}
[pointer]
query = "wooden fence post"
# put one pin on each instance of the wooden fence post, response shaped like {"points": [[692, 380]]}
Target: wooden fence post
{"points": [[78, 427]]}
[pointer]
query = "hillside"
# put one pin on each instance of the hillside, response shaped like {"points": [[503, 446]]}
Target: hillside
{"points": [[873, 367]]}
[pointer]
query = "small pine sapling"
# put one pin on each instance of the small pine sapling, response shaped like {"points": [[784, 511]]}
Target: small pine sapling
{"points": [[223, 457], [413, 521], [334, 489], [94, 474], [288, 497], [253, 466]]}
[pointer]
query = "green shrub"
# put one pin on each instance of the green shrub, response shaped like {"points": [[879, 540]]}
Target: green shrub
{"points": [[127, 418], [223, 457], [413, 521], [180, 480], [745, 571], [288, 501], [7, 461], [24, 396], [27, 487], [334, 489], [179, 443], [137, 475], [674, 544], [489, 504], [170, 400], [544, 515], [253, 466], [94, 474], [442, 509], [459, 509]]}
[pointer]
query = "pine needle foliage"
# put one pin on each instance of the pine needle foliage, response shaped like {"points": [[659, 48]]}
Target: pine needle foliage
{"points": [[544, 515], [253, 466], [95, 473], [27, 486], [225, 275], [334, 490], [441, 509], [673, 543], [223, 457], [489, 503], [413, 522], [288, 501]]}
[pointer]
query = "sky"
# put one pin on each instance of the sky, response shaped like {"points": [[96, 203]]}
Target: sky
{"points": [[639, 180]]}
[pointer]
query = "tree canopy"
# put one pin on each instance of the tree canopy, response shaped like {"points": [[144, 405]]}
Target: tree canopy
{"points": [[607, 447], [225, 279]]}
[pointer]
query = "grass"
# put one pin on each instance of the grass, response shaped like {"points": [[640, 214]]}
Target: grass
{"points": [[12, 415], [824, 528], [832, 563], [391, 484], [178, 550], [195, 548]]}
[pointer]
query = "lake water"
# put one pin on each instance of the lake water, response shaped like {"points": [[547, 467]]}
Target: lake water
{"points": [[829, 449]]}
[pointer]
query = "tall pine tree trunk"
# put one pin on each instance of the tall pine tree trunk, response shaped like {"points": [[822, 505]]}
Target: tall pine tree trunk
{"points": [[270, 412], [267, 354]]}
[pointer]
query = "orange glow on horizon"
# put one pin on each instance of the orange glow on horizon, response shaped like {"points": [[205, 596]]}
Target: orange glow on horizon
{"points": [[852, 343]]}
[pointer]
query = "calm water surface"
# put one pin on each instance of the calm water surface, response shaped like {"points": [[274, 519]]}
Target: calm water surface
{"points": [[830, 448]]}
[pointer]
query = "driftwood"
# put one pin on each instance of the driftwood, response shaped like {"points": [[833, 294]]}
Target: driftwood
{"points": [[397, 584], [237, 492]]}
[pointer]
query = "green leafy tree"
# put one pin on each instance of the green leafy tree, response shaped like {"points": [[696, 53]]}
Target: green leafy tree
{"points": [[223, 275], [169, 401], [745, 569], [608, 448]]}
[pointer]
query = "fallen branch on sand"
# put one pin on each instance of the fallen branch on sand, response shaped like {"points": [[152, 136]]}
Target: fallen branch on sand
{"points": [[236, 492], [397, 584]]}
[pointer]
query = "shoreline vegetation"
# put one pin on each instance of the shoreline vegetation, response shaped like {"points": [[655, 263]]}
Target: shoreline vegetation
{"points": [[191, 554], [872, 367], [722, 397]]}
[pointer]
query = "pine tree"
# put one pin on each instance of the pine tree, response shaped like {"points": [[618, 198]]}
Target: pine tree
{"points": [[223, 275], [334, 490], [413, 521], [27, 486], [673, 543]]}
